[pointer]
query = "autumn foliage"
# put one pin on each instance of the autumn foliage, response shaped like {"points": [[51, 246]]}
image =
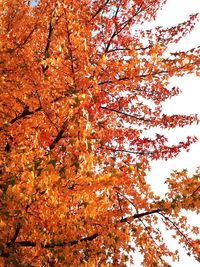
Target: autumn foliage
{"points": [[80, 86]]}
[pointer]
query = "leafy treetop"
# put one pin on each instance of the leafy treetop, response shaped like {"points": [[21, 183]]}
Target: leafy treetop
{"points": [[79, 88]]}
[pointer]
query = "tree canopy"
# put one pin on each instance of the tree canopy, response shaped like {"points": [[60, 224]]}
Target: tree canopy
{"points": [[80, 86]]}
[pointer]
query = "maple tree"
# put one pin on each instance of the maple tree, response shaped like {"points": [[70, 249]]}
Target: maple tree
{"points": [[79, 89]]}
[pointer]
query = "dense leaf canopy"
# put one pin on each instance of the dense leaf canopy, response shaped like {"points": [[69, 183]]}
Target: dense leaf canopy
{"points": [[80, 86]]}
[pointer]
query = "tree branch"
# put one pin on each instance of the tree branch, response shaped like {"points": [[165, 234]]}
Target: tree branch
{"points": [[27, 38], [176, 227], [139, 215], [99, 10], [46, 50], [195, 191], [16, 233], [57, 139], [123, 26], [73, 242], [58, 244], [26, 111], [125, 114], [137, 152]]}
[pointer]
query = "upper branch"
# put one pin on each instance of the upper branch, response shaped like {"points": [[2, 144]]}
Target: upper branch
{"points": [[140, 215], [125, 114], [99, 10]]}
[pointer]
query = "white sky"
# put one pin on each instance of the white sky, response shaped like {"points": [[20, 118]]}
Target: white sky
{"points": [[174, 12]]}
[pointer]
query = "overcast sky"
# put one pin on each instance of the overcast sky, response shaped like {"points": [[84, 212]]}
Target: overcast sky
{"points": [[187, 102], [174, 12]]}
